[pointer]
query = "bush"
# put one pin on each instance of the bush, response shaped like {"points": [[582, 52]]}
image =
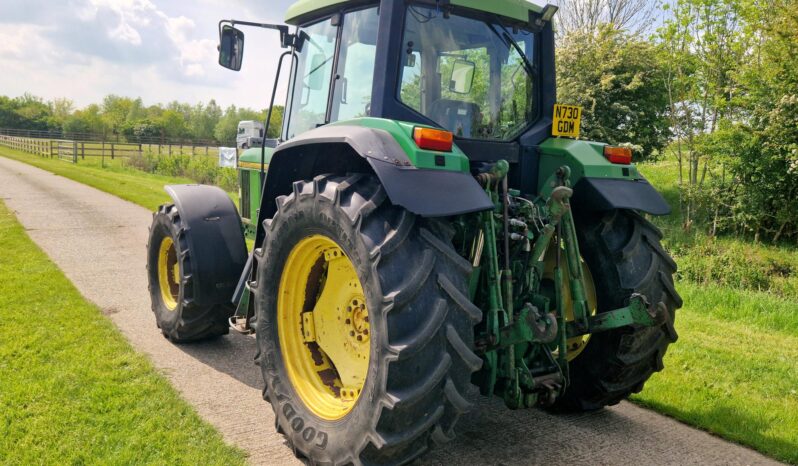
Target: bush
{"points": [[199, 168], [737, 265]]}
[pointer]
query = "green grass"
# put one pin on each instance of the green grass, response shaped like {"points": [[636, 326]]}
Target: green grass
{"points": [[72, 390], [733, 371]]}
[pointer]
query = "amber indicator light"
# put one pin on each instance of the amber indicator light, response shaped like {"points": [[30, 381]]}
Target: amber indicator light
{"points": [[433, 139]]}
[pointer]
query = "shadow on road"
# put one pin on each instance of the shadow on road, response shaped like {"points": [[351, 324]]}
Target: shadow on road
{"points": [[231, 354]]}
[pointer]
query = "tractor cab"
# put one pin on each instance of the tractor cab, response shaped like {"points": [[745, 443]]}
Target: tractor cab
{"points": [[473, 73], [485, 75]]}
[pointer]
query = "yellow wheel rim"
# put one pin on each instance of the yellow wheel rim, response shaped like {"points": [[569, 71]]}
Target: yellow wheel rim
{"points": [[575, 345], [168, 273], [323, 327]]}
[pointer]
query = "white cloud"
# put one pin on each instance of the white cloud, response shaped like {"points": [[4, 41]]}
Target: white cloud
{"points": [[192, 52], [158, 50]]}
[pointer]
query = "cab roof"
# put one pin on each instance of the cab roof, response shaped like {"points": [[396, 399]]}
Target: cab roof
{"points": [[515, 9]]}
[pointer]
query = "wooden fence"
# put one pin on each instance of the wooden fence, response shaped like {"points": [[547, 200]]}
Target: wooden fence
{"points": [[72, 150]]}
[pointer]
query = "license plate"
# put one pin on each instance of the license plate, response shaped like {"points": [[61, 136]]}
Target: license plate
{"points": [[567, 119]]}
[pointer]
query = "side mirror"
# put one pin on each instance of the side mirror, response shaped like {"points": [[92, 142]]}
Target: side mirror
{"points": [[316, 75], [462, 78], [231, 48]]}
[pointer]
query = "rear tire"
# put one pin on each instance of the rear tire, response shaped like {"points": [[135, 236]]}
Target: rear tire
{"points": [[176, 314], [624, 254], [421, 356]]}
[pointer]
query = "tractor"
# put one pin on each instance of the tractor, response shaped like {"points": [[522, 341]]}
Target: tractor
{"points": [[428, 221]]}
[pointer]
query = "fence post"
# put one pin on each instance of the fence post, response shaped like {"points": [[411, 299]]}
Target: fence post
{"points": [[51, 148], [83, 150], [112, 151], [140, 151], [74, 152]]}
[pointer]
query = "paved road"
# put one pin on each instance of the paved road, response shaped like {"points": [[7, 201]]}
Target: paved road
{"points": [[99, 240]]}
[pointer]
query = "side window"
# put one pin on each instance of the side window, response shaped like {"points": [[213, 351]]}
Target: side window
{"points": [[410, 90], [311, 86], [355, 74]]}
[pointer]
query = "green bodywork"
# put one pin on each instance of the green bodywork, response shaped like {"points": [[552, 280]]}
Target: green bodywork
{"points": [[514, 9], [250, 162], [584, 158], [402, 132]]}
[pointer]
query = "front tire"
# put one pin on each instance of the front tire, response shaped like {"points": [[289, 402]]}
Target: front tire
{"points": [[623, 251], [420, 356], [178, 316]]}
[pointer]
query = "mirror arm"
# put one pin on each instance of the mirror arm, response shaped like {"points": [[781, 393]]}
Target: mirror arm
{"points": [[286, 39]]}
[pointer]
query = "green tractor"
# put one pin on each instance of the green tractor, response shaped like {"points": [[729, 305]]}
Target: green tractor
{"points": [[427, 221]]}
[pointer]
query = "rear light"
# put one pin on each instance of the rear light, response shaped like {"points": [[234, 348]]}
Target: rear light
{"points": [[619, 155], [433, 139]]}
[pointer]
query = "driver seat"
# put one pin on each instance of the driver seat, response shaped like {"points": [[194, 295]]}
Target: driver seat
{"points": [[457, 116]]}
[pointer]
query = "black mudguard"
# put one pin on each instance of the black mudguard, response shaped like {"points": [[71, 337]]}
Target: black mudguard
{"points": [[215, 239], [602, 194]]}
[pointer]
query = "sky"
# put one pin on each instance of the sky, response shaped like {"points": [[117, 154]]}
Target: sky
{"points": [[159, 50]]}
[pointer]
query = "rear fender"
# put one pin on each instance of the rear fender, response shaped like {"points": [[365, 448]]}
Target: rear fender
{"points": [[351, 148], [215, 239], [598, 184]]}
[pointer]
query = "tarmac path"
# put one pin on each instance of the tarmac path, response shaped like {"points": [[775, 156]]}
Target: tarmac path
{"points": [[99, 240]]}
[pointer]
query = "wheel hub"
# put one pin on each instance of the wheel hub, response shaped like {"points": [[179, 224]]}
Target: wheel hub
{"points": [[168, 273], [323, 326]]}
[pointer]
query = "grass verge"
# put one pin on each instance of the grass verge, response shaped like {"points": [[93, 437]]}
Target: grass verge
{"points": [[733, 371], [72, 390]]}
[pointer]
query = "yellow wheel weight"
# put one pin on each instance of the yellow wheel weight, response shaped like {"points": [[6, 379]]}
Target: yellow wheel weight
{"points": [[323, 327], [168, 273]]}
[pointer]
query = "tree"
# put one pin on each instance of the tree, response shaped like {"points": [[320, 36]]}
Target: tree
{"points": [[276, 122], [25, 112], [203, 120], [586, 16], [88, 120], [765, 201], [614, 76], [701, 47], [60, 110], [173, 124], [115, 111]]}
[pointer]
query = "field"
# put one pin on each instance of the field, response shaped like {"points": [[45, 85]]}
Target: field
{"points": [[72, 389], [733, 370]]}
